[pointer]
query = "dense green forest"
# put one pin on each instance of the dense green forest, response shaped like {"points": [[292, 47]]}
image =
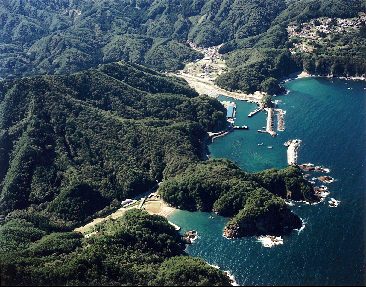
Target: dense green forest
{"points": [[137, 249], [222, 187], [73, 147], [70, 145], [58, 36]]}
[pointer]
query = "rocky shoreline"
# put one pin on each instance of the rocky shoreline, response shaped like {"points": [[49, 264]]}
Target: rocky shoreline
{"points": [[304, 74], [276, 223]]}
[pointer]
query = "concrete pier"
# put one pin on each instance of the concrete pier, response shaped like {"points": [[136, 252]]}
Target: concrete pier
{"points": [[254, 112], [218, 134]]}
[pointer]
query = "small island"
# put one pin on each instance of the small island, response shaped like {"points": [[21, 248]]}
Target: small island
{"points": [[190, 236], [326, 179]]}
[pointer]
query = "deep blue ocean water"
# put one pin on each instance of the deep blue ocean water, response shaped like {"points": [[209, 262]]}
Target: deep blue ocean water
{"points": [[329, 116]]}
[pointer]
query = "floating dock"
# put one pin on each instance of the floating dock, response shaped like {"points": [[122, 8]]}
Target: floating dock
{"points": [[218, 134], [292, 151]]}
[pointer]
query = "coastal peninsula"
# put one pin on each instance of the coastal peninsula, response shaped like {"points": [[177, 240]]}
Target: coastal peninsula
{"points": [[255, 201]]}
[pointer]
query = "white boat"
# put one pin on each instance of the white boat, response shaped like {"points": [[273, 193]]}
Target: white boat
{"points": [[260, 144], [269, 146]]}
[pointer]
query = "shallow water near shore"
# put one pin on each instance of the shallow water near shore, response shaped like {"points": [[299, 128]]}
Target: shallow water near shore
{"points": [[329, 116]]}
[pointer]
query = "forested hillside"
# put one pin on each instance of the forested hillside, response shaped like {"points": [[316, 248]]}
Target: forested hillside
{"points": [[85, 131], [58, 36], [70, 145], [75, 146], [260, 62], [137, 249]]}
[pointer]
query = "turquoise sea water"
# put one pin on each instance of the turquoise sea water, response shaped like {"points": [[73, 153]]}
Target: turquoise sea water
{"points": [[329, 116]]}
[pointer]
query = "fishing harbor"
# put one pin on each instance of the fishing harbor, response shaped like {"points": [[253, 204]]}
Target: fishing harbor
{"points": [[292, 146], [328, 232]]}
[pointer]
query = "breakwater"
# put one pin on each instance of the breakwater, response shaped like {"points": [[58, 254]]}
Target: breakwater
{"points": [[292, 151], [280, 119], [270, 122], [219, 134]]}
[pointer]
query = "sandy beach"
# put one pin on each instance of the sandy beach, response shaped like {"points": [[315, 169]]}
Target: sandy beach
{"points": [[201, 76], [208, 87], [153, 205], [303, 74], [158, 207]]}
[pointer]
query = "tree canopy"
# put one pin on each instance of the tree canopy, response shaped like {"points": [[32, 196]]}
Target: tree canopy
{"points": [[137, 249]]}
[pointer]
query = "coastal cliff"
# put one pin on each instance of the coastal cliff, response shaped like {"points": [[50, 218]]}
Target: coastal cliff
{"points": [[277, 221], [288, 183]]}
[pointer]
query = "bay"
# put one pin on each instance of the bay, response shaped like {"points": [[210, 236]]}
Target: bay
{"points": [[329, 116]]}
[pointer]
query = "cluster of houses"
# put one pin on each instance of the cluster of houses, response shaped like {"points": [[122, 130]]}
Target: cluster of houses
{"points": [[211, 53], [319, 28], [208, 67]]}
